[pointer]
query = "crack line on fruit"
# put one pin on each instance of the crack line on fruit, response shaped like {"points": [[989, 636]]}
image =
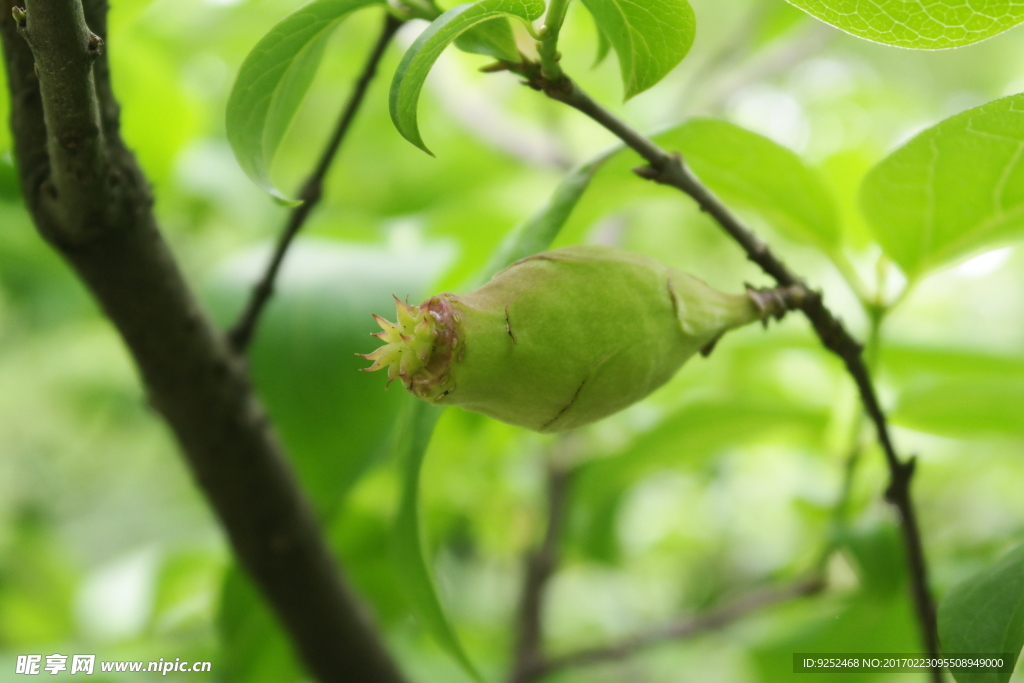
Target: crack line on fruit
{"points": [[576, 395], [569, 404], [508, 326]]}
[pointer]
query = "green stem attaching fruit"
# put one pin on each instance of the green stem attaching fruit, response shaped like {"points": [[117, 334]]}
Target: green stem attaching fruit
{"points": [[565, 337]]}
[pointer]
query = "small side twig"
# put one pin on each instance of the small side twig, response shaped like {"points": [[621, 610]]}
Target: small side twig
{"points": [[540, 567], [242, 332], [681, 629], [669, 169]]}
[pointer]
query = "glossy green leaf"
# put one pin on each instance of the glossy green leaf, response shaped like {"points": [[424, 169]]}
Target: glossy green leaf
{"points": [[420, 57], [650, 38], [749, 170], [274, 79], [985, 614], [921, 24], [953, 189], [418, 419], [492, 38]]}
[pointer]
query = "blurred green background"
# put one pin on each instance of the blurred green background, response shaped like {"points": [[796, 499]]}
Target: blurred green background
{"points": [[723, 481]]}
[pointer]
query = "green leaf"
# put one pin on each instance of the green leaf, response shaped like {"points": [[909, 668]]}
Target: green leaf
{"points": [[649, 37], [909, 363], [254, 649], [955, 392], [604, 46], [10, 187], [412, 436], [538, 232], [777, 21], [921, 24], [858, 622], [492, 38], [877, 554], [273, 80], [751, 171], [985, 614], [963, 407], [420, 57], [953, 189]]}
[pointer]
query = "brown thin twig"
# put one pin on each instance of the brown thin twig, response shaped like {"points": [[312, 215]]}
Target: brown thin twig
{"points": [[669, 169], [682, 629], [540, 567], [242, 332]]}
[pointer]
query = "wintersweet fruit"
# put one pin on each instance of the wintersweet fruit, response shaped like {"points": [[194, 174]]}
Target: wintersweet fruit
{"points": [[563, 338]]}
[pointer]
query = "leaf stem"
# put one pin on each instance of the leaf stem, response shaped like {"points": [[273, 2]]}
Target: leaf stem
{"points": [[242, 332], [669, 169], [849, 273], [547, 47]]}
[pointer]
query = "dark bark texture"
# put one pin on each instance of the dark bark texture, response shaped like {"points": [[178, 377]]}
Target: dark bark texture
{"points": [[90, 200]]}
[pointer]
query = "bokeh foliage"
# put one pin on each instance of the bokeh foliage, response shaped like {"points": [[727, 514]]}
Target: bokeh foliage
{"points": [[724, 480]]}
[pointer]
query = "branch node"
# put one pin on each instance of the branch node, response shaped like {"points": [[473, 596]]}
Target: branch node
{"points": [[313, 191], [94, 48], [647, 172], [899, 484], [776, 302], [20, 17], [494, 67]]}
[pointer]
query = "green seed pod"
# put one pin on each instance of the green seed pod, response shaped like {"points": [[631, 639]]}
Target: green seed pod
{"points": [[562, 338]]}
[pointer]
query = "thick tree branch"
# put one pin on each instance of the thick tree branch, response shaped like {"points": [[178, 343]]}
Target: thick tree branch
{"points": [[241, 334], [540, 567], [89, 198], [682, 629], [669, 169], [64, 50], [26, 108]]}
